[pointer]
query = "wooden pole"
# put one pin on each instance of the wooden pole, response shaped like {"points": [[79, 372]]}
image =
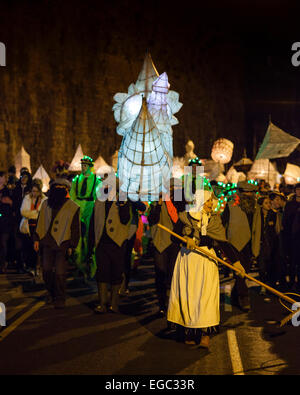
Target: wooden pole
{"points": [[273, 290]]}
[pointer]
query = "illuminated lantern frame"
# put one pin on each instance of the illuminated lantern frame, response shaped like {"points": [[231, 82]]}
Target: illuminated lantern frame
{"points": [[222, 151]]}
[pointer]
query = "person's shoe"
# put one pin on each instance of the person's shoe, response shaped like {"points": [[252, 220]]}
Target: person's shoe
{"points": [[100, 309], [114, 298], [161, 312], [244, 303], [204, 343], [114, 309], [190, 342], [123, 292]]}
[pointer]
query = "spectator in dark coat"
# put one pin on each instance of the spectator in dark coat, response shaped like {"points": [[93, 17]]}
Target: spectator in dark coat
{"points": [[291, 237], [265, 240], [6, 220], [23, 187]]}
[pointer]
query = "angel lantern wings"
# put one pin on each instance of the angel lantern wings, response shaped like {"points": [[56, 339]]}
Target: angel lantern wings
{"points": [[145, 116]]}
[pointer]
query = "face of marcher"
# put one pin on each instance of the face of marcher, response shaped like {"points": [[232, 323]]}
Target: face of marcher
{"points": [[276, 203], [208, 205], [85, 168], [266, 204]]}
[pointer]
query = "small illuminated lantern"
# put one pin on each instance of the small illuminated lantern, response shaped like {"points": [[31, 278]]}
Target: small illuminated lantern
{"points": [[42, 175], [291, 174], [178, 167], [76, 161], [263, 169], [22, 159], [222, 151], [101, 167]]}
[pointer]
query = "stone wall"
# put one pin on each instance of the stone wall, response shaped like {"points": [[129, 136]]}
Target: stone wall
{"points": [[65, 62]]}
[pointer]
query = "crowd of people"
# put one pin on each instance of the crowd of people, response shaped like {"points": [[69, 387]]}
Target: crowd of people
{"points": [[83, 219]]}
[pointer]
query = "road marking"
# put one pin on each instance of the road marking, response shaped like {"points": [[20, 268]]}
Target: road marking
{"points": [[18, 308], [234, 351], [227, 293], [19, 321]]}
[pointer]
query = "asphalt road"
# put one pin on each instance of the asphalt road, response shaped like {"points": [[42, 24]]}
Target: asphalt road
{"points": [[41, 340]]}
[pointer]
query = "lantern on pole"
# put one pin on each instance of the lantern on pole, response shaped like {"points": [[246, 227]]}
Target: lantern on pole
{"points": [[222, 151], [291, 174]]}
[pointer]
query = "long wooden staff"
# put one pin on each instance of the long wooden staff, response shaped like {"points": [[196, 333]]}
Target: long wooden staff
{"points": [[273, 290]]}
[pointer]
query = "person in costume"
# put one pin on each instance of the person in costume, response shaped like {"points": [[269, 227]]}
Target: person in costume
{"points": [[57, 234], [164, 212], [83, 192], [195, 291], [108, 234], [136, 207], [237, 218]]}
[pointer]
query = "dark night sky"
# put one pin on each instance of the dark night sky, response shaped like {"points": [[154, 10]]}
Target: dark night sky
{"points": [[263, 30]]}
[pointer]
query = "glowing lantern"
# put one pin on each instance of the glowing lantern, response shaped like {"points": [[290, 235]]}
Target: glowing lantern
{"points": [[263, 169], [144, 164], [234, 176], [222, 151], [190, 154], [291, 174], [178, 167], [101, 167], [42, 175], [76, 161], [22, 159]]}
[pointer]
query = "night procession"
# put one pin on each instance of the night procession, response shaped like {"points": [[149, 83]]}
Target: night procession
{"points": [[149, 191]]}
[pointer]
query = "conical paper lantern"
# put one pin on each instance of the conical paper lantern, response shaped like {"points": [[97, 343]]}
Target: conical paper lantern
{"points": [[101, 167], [76, 161], [42, 175], [263, 169], [292, 174], [22, 159]]}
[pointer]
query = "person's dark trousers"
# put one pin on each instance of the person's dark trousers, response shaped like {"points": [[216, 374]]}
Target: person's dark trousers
{"points": [[3, 248], [18, 249], [164, 266], [128, 254], [110, 263], [294, 263], [29, 255], [280, 263], [54, 271], [240, 289]]}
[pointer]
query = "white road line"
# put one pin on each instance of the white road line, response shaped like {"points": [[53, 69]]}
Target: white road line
{"points": [[19, 321], [227, 293], [234, 351], [11, 313]]}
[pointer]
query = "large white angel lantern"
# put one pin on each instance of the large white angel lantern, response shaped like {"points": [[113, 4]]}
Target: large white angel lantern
{"points": [[145, 116]]}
